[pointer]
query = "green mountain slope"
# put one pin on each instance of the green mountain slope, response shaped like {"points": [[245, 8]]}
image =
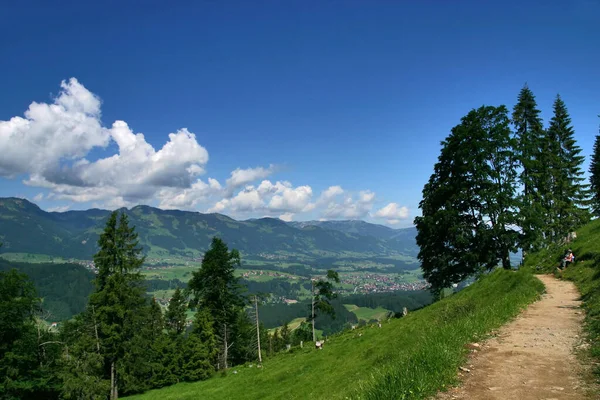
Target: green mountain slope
{"points": [[25, 228], [410, 357], [406, 236]]}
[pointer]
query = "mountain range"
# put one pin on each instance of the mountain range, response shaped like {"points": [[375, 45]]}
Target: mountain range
{"points": [[26, 228]]}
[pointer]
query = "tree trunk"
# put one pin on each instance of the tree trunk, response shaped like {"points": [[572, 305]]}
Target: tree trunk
{"points": [[313, 309], [225, 346], [114, 392], [506, 260], [257, 329], [96, 329]]}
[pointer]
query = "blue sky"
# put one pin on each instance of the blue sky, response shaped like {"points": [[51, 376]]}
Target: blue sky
{"points": [[298, 96]]}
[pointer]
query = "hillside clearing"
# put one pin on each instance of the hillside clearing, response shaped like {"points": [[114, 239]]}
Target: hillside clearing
{"points": [[367, 314], [411, 357]]}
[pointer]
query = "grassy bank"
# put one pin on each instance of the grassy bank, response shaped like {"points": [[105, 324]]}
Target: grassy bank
{"points": [[412, 357], [585, 273]]}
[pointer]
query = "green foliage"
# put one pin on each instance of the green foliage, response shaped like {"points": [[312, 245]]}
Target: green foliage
{"points": [[595, 177], [175, 316], [27, 356], [531, 142], [468, 206], [215, 287], [322, 294], [419, 353], [567, 198]]}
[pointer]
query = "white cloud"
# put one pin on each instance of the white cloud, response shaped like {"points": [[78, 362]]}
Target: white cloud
{"points": [[59, 209], [393, 213], [287, 217], [351, 208], [270, 198], [240, 177], [52, 146], [330, 193], [50, 133]]}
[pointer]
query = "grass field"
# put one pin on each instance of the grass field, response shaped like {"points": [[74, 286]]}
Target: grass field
{"points": [[366, 313], [411, 357], [183, 273], [32, 258], [585, 273]]}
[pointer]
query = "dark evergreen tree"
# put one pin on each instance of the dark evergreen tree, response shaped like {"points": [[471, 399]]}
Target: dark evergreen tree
{"points": [[531, 141], [322, 294], [215, 288], [469, 205], [175, 316], [118, 302], [595, 177], [569, 196], [244, 347], [28, 353]]}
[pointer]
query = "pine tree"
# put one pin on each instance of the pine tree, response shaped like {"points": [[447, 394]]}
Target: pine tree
{"points": [[156, 322], [469, 205], [215, 288], [595, 177], [569, 195], [176, 313], [531, 141], [118, 301]]}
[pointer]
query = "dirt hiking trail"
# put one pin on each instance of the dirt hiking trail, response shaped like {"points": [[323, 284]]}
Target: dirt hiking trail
{"points": [[533, 356]]}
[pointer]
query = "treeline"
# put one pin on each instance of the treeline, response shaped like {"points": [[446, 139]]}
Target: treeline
{"points": [[394, 301], [277, 286], [502, 182]]}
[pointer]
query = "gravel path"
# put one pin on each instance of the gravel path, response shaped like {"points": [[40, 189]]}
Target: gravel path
{"points": [[531, 357]]}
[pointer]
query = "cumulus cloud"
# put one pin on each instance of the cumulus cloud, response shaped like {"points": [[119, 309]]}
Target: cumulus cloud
{"points": [[287, 217], [240, 177], [268, 198], [59, 209], [64, 130], [351, 207], [393, 213], [53, 145], [50, 145]]}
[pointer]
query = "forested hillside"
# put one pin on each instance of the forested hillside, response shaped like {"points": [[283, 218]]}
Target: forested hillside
{"points": [[63, 288]]}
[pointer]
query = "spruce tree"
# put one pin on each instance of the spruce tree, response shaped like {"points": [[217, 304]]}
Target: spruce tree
{"points": [[215, 288], [531, 143], [569, 206], [595, 177], [118, 301], [176, 313]]}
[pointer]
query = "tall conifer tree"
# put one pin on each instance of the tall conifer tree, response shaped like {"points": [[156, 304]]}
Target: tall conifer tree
{"points": [[595, 177], [569, 205], [118, 302], [530, 135]]}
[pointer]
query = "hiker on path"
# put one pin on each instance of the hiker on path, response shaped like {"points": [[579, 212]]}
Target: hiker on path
{"points": [[568, 259]]}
